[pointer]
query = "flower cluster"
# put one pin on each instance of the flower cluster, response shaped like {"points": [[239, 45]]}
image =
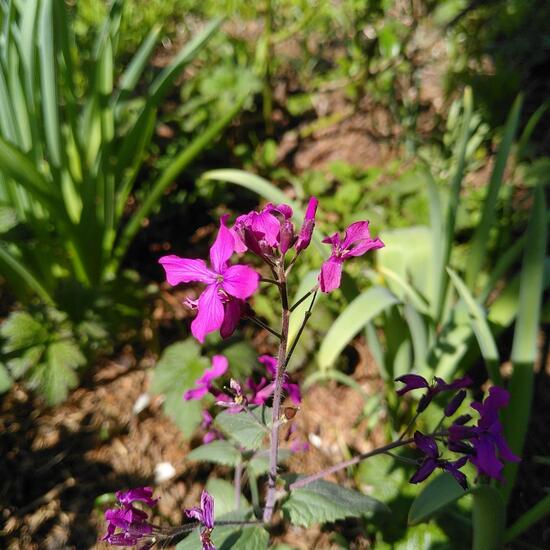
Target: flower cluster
{"points": [[269, 234], [131, 521], [205, 516], [483, 444]]}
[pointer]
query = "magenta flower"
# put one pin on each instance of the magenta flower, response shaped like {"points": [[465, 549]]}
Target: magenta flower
{"points": [[356, 242], [270, 232], [432, 460], [306, 232], [211, 433], [219, 305], [204, 384], [262, 394], [131, 522], [415, 381], [485, 442], [205, 516]]}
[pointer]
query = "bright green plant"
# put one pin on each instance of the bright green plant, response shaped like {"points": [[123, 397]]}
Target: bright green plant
{"points": [[69, 160]]}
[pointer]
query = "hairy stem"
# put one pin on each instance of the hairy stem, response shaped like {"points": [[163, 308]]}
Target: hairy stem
{"points": [[346, 463], [277, 395]]}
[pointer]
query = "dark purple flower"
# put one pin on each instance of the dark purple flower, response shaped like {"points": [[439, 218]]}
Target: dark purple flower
{"points": [[432, 460], [219, 305], [415, 381], [356, 242], [131, 522], [454, 403], [205, 516], [485, 442]]}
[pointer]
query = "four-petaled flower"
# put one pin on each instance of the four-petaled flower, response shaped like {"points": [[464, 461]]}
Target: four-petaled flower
{"points": [[356, 242], [204, 384], [219, 306], [415, 381], [205, 516], [131, 521], [485, 443], [432, 460]]}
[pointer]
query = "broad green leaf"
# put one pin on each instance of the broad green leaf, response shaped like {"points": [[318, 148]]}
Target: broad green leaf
{"points": [[245, 430], [219, 452], [223, 493], [478, 248], [382, 478], [480, 327], [488, 516], [322, 501], [242, 358], [435, 495], [177, 370], [259, 464], [362, 310], [426, 536]]}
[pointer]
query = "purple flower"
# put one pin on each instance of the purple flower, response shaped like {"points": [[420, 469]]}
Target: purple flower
{"points": [[204, 384], [211, 433], [131, 521], [205, 516], [485, 442], [261, 396], [415, 381], [432, 460], [219, 305], [306, 232], [356, 242]]}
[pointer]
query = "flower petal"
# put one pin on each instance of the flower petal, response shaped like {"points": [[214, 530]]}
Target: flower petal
{"points": [[210, 316], [240, 281], [195, 513], [207, 506], [486, 460], [426, 444], [412, 382], [223, 247], [304, 238], [231, 317], [195, 394], [218, 368], [331, 274], [293, 391], [270, 363], [424, 471], [184, 270]]}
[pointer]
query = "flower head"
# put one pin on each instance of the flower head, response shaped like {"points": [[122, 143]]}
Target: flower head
{"points": [[204, 384], [485, 443], [131, 521], [356, 242], [227, 286], [205, 516], [306, 232], [432, 460], [415, 381]]}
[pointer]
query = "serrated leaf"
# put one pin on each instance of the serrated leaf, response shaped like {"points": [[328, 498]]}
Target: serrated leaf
{"points": [[6, 381], [22, 331], [177, 370], [244, 429], [219, 452], [322, 501], [438, 493]]}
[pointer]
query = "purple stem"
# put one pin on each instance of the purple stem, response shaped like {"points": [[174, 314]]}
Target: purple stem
{"points": [[277, 395]]}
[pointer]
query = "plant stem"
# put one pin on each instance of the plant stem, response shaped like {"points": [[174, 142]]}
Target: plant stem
{"points": [[277, 395], [409, 426], [304, 297], [307, 315], [237, 483], [346, 463], [264, 326]]}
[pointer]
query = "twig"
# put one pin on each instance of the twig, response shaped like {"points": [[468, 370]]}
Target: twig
{"points": [[264, 326]]}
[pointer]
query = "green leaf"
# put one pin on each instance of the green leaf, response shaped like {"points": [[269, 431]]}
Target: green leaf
{"points": [[259, 464], [223, 493], [177, 370], [388, 42], [488, 516], [219, 452], [21, 331], [322, 501], [480, 327], [436, 495], [244, 429], [362, 310], [478, 249], [426, 536], [6, 381]]}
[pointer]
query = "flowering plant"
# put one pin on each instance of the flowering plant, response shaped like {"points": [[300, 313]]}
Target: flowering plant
{"points": [[248, 432]]}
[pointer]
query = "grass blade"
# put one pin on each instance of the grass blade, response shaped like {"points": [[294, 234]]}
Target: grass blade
{"points": [[480, 327], [524, 348], [488, 518], [478, 250], [534, 514], [362, 310]]}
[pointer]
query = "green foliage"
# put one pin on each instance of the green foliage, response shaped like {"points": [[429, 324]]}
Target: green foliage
{"points": [[218, 452], [488, 518], [246, 429], [180, 365], [322, 502]]}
